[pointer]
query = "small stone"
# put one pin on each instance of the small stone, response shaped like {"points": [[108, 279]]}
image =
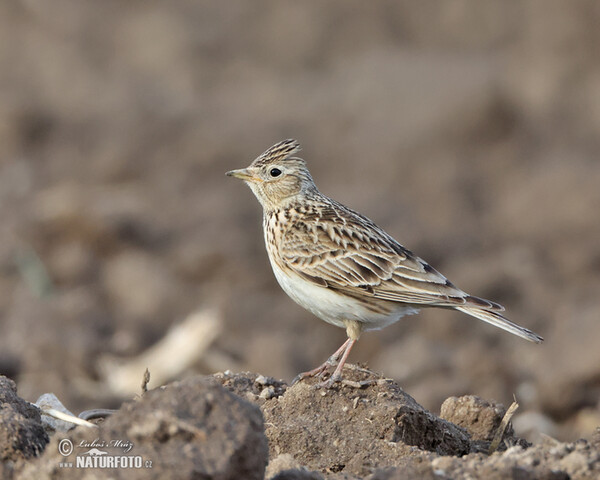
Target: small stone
{"points": [[267, 393]]}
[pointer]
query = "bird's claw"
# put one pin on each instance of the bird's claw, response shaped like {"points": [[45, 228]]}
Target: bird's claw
{"points": [[317, 372]]}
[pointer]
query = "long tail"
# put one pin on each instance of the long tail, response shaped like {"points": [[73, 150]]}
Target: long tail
{"points": [[499, 321]]}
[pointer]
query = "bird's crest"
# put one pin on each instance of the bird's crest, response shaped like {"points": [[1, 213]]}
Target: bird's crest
{"points": [[278, 152]]}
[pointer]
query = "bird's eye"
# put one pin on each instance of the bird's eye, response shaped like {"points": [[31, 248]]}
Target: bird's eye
{"points": [[275, 172]]}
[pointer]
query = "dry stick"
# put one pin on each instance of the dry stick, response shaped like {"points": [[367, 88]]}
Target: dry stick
{"points": [[52, 412], [502, 428], [145, 381]]}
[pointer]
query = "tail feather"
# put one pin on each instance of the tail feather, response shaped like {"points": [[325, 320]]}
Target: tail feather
{"points": [[484, 304], [499, 321]]}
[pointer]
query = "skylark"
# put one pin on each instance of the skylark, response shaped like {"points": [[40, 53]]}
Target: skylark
{"points": [[342, 267]]}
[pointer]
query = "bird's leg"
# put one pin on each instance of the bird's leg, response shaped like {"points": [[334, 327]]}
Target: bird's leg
{"points": [[337, 374], [353, 329], [321, 368]]}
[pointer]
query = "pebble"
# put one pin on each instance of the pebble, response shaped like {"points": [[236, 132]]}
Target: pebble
{"points": [[267, 393]]}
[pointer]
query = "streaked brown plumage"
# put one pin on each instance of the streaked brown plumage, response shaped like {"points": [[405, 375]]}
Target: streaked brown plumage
{"points": [[342, 267]]}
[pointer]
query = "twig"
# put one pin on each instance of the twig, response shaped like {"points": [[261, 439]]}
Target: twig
{"points": [[145, 381], [502, 428], [65, 417]]}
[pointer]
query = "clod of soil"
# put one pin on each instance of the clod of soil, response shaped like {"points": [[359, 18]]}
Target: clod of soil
{"points": [[21, 433], [356, 429], [479, 417], [189, 429]]}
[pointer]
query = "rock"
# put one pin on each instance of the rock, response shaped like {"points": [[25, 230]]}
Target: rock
{"points": [[22, 435], [189, 429]]}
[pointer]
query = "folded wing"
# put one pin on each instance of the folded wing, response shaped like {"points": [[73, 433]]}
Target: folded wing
{"points": [[339, 248]]}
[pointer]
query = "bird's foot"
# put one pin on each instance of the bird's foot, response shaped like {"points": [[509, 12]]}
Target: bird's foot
{"points": [[338, 358], [315, 372], [327, 384]]}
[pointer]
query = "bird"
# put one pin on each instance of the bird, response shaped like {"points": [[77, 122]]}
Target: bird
{"points": [[342, 267]]}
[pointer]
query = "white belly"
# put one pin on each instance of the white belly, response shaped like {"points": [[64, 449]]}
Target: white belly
{"points": [[333, 307]]}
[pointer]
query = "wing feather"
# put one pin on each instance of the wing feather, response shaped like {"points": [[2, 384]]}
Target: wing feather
{"points": [[348, 252]]}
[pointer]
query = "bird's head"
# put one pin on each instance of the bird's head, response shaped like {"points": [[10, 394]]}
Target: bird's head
{"points": [[277, 177]]}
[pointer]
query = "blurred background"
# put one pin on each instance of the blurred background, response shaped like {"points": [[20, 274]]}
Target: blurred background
{"points": [[469, 130]]}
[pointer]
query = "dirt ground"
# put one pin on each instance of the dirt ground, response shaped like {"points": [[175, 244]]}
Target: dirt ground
{"points": [[468, 130], [256, 427]]}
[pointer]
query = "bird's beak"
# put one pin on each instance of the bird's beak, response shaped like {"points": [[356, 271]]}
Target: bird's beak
{"points": [[243, 174]]}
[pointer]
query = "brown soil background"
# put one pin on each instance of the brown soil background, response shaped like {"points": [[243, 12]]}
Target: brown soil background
{"points": [[468, 130]]}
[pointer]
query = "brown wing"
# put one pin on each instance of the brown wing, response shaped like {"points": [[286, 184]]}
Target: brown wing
{"points": [[336, 247]]}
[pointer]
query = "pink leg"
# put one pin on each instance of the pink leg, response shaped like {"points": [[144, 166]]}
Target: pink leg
{"points": [[329, 362], [337, 375]]}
